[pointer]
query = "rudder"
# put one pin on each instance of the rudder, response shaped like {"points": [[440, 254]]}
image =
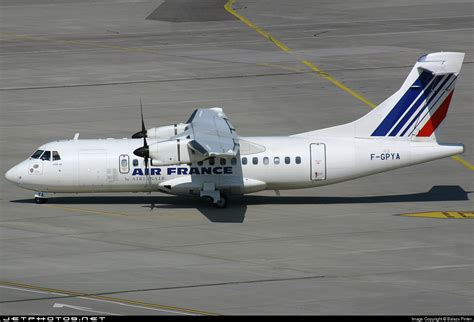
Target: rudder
{"points": [[421, 104]]}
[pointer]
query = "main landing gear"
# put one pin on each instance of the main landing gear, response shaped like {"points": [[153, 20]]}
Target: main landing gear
{"points": [[218, 202], [40, 197], [221, 203], [218, 199]]}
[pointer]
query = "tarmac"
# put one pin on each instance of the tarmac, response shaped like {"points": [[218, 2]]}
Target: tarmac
{"points": [[72, 66]]}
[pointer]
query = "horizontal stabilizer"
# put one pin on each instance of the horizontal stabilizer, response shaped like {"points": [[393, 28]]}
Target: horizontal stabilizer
{"points": [[442, 63]]}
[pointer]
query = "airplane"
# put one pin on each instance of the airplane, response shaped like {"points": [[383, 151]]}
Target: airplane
{"points": [[205, 157]]}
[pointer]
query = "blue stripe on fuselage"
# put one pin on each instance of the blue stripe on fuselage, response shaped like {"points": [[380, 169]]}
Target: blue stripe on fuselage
{"points": [[407, 99]]}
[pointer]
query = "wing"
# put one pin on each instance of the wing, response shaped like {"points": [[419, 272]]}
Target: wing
{"points": [[212, 134]]}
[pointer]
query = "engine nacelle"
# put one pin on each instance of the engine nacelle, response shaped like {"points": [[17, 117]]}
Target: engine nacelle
{"points": [[171, 152], [166, 132]]}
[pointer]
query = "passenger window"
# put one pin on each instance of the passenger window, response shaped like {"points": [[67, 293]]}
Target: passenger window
{"points": [[298, 160], [56, 156], [233, 161], [46, 156], [37, 154], [265, 160], [212, 161], [244, 160], [223, 161], [276, 160], [255, 160], [135, 162], [287, 160]]}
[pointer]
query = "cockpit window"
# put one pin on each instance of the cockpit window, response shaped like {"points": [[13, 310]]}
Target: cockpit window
{"points": [[56, 156], [37, 154], [46, 156]]}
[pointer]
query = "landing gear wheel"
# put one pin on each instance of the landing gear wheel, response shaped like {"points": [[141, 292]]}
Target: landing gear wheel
{"points": [[221, 203], [40, 197], [39, 200]]}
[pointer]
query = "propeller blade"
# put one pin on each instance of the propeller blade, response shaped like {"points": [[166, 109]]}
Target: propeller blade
{"points": [[138, 135], [144, 151], [141, 113], [147, 155], [142, 133]]}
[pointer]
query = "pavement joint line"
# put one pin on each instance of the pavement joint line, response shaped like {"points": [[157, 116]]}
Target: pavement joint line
{"points": [[284, 67], [155, 80], [69, 294], [99, 212], [317, 71], [104, 46], [296, 70], [77, 42]]}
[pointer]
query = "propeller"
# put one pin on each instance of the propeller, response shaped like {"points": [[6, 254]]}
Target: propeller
{"points": [[144, 151], [142, 133]]}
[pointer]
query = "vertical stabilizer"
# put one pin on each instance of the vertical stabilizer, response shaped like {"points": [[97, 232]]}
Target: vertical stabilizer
{"points": [[421, 104], [416, 110]]}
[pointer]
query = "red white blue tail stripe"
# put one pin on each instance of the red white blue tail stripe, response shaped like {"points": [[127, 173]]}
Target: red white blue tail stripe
{"points": [[421, 108]]}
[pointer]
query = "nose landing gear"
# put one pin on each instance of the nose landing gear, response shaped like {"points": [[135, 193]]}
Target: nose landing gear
{"points": [[40, 197]]}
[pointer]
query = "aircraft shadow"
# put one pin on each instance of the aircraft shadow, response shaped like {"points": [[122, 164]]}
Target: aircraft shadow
{"points": [[235, 212], [436, 193]]}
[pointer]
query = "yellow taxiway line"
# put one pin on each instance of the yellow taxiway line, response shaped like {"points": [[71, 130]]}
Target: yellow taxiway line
{"points": [[165, 308], [463, 162], [317, 71]]}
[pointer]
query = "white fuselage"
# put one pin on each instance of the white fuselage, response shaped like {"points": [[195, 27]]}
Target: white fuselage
{"points": [[399, 132], [264, 163]]}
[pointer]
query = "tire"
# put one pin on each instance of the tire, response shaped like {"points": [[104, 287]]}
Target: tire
{"points": [[41, 200], [221, 203]]}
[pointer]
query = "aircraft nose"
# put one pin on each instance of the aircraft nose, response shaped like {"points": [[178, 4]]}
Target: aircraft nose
{"points": [[12, 174]]}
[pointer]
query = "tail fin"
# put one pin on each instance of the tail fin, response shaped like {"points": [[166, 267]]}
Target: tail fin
{"points": [[416, 109], [422, 102]]}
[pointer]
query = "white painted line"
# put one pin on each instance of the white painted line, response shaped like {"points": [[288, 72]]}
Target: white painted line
{"points": [[98, 300], [80, 308], [28, 290], [136, 306]]}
